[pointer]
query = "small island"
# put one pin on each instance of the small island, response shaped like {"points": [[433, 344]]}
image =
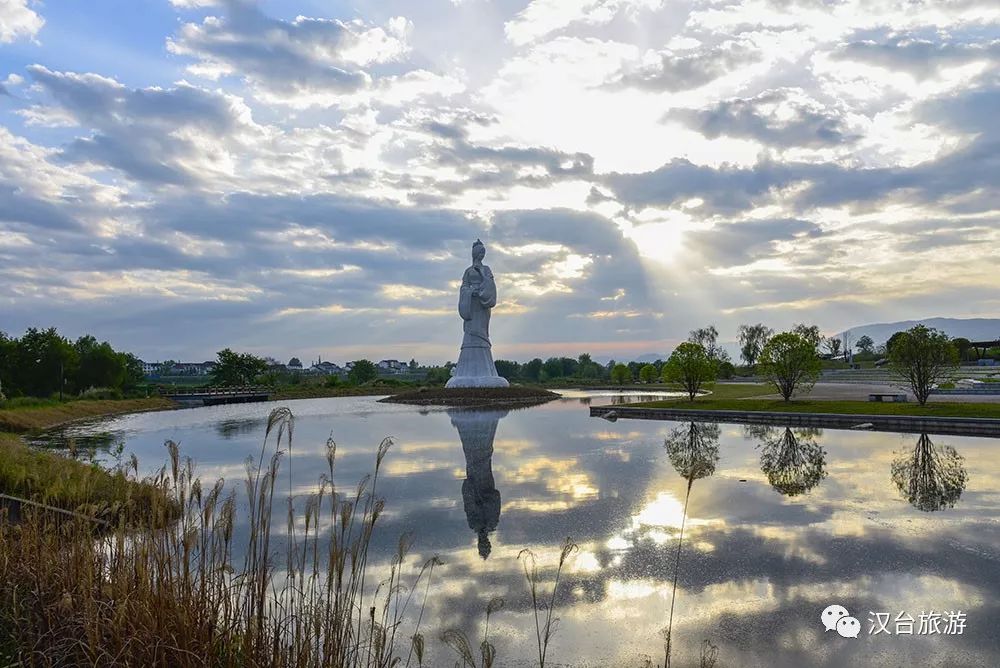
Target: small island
{"points": [[515, 396]]}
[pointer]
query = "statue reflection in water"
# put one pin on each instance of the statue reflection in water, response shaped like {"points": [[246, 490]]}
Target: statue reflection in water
{"points": [[480, 496], [931, 477]]}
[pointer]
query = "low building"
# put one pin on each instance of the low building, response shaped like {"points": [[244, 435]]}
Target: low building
{"points": [[326, 368], [392, 366], [150, 368], [192, 368]]}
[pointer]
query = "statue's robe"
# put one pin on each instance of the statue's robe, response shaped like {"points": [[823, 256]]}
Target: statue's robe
{"points": [[476, 298]]}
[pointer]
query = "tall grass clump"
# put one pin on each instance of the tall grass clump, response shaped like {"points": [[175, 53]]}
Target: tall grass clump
{"points": [[198, 581], [545, 623]]}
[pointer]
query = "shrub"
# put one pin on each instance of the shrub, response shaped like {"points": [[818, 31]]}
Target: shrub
{"points": [[101, 393]]}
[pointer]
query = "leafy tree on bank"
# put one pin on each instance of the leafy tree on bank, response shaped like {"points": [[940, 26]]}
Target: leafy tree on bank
{"points": [[362, 371], [532, 370], [234, 369], [691, 366], [508, 369], [752, 340], [588, 368], [42, 362], [707, 338], [620, 374], [810, 333], [865, 344], [832, 346], [923, 357], [789, 361], [100, 365], [648, 374], [439, 375], [962, 346]]}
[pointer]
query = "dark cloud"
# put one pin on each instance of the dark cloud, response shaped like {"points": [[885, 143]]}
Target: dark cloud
{"points": [[683, 70], [726, 189], [919, 55], [809, 125], [302, 55], [738, 243], [19, 207], [140, 132]]}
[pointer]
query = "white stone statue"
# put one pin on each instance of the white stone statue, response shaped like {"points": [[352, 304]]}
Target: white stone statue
{"points": [[476, 297]]}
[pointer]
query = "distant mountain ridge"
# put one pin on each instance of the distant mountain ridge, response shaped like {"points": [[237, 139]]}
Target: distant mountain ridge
{"points": [[974, 329]]}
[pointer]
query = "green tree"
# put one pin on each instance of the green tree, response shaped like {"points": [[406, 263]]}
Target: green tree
{"points": [[893, 340], [789, 361], [508, 369], [44, 360], [691, 366], [8, 348], [232, 368], [553, 368], [532, 370], [647, 373], [707, 338], [620, 374], [810, 333], [587, 367], [832, 346], [752, 339], [99, 366], [923, 357], [962, 346], [438, 375], [413, 366], [865, 344], [133, 375], [362, 371]]}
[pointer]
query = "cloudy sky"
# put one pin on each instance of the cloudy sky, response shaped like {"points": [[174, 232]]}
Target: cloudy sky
{"points": [[306, 177]]}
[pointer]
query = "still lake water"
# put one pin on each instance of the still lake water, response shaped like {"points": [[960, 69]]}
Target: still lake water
{"points": [[780, 524]]}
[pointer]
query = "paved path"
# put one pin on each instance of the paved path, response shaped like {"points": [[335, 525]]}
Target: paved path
{"points": [[860, 392]]}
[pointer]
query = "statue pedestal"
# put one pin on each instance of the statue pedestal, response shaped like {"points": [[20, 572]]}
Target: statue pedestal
{"points": [[475, 368], [477, 381]]}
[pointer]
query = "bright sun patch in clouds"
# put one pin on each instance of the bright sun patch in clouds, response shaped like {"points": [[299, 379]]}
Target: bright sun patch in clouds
{"points": [[637, 166]]}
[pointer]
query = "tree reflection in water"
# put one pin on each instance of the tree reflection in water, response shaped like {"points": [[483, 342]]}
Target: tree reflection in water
{"points": [[693, 450], [481, 499], [930, 477], [792, 460]]}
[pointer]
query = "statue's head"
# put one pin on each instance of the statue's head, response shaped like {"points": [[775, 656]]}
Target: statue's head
{"points": [[478, 250], [485, 547]]}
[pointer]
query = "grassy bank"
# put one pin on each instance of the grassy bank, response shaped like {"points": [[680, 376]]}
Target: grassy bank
{"points": [[21, 417], [61, 482], [210, 589], [711, 402]]}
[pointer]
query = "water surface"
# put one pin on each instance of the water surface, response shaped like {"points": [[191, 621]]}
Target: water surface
{"points": [[779, 524]]}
